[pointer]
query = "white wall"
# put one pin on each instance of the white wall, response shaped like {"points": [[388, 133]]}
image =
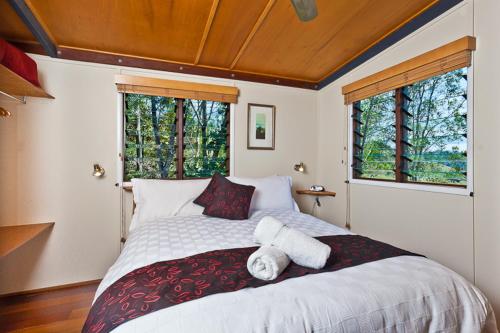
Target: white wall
{"points": [[48, 147], [486, 154], [52, 145], [459, 231]]}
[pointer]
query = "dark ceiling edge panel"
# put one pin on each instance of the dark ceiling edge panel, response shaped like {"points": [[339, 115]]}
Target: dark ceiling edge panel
{"points": [[159, 65], [407, 29], [34, 26]]}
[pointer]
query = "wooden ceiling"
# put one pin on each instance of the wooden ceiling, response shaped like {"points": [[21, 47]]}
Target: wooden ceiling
{"points": [[257, 40]]}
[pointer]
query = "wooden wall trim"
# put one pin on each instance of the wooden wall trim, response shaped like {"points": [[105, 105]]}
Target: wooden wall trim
{"points": [[76, 54], [208, 26]]}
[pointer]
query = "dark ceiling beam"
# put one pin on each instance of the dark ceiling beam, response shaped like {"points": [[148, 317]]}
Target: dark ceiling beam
{"points": [[161, 65], [407, 29], [32, 23]]}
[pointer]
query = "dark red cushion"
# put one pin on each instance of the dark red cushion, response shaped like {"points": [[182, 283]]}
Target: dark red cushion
{"points": [[18, 62], [207, 196], [229, 200]]}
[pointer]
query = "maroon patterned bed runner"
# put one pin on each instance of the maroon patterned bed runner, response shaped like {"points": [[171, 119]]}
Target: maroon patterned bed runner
{"points": [[167, 283]]}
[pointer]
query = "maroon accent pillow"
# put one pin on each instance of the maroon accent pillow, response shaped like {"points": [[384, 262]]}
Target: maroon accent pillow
{"points": [[229, 200], [18, 62], [207, 196]]}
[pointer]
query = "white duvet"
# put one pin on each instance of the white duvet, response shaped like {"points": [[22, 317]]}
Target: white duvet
{"points": [[401, 294]]}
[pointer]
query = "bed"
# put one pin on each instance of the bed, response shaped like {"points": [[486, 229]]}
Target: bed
{"points": [[400, 294]]}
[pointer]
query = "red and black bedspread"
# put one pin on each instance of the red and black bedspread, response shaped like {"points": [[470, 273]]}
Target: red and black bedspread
{"points": [[167, 283]]}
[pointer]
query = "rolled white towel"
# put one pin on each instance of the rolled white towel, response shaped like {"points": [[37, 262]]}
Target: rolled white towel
{"points": [[301, 248], [267, 230], [267, 263]]}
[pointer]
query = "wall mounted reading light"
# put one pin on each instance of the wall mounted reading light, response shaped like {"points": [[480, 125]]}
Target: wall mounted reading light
{"points": [[98, 171], [4, 113], [300, 167]]}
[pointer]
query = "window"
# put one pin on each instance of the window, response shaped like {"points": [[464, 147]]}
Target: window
{"points": [[411, 123], [414, 134], [374, 137], [174, 138]]}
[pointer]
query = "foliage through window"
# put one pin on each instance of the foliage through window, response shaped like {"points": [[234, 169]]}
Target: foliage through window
{"points": [[174, 138], [375, 137], [414, 134]]}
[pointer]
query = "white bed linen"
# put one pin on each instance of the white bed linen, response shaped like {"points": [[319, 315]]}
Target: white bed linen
{"points": [[401, 294]]}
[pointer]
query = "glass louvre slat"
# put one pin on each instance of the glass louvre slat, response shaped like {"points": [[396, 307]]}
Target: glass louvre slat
{"points": [[150, 137], [439, 127], [205, 138], [374, 137]]}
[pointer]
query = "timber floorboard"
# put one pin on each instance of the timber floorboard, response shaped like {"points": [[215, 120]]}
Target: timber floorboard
{"points": [[60, 310]]}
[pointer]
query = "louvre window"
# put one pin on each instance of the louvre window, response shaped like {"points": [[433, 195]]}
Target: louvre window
{"points": [[437, 130], [414, 134], [174, 138], [205, 138], [374, 137]]}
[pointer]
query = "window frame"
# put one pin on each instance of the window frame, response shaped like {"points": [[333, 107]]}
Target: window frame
{"points": [[120, 104], [440, 188]]}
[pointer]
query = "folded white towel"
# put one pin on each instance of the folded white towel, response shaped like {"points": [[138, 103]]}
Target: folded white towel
{"points": [[301, 248], [267, 230], [267, 263]]}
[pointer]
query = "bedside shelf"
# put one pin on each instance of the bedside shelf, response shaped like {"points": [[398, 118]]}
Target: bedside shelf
{"points": [[316, 193], [14, 236]]}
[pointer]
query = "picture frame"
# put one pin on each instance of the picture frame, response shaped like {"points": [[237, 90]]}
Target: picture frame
{"points": [[261, 128]]}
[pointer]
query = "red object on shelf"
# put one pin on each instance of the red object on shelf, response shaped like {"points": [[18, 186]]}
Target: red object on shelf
{"points": [[18, 62]]}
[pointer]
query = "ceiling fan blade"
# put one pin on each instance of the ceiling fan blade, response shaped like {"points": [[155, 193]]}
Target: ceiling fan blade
{"points": [[306, 9]]}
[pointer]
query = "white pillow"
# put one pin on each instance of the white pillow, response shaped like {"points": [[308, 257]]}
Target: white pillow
{"points": [[273, 192], [163, 198]]}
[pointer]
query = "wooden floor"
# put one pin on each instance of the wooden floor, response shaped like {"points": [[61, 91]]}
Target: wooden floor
{"points": [[61, 310]]}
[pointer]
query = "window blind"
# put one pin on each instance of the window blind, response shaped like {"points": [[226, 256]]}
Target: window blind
{"points": [[455, 55], [177, 89]]}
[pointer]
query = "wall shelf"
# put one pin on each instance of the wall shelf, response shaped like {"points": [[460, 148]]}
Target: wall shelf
{"points": [[316, 193], [13, 84], [14, 236]]}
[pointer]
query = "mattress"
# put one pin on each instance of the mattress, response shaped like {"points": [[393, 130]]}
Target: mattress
{"points": [[401, 294]]}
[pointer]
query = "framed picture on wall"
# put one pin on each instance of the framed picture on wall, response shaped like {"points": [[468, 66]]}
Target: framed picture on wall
{"points": [[261, 126]]}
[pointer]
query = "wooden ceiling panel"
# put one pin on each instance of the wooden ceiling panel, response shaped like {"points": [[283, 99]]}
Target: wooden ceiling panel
{"points": [[287, 47], [393, 13], [257, 40], [11, 26], [229, 30], [162, 29]]}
